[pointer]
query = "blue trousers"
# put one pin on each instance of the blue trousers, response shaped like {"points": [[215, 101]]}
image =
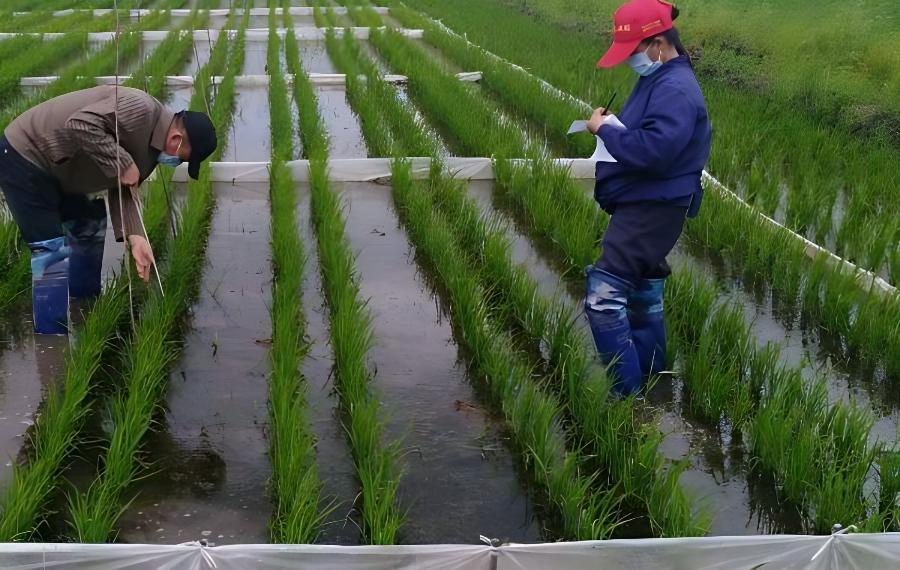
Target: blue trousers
{"points": [[65, 233], [624, 290]]}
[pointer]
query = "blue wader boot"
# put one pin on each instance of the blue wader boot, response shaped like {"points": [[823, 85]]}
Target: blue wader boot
{"points": [[50, 286], [648, 328], [605, 305], [86, 239]]}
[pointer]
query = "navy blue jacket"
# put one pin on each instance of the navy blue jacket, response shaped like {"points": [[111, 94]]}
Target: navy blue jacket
{"points": [[664, 149]]}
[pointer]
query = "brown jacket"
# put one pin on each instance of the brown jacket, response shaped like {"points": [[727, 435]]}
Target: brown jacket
{"points": [[73, 137]]}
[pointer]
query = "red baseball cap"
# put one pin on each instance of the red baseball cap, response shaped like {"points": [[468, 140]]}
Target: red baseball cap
{"points": [[634, 22]]}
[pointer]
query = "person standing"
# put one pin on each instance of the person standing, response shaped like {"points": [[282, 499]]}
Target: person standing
{"points": [[652, 187], [55, 156]]}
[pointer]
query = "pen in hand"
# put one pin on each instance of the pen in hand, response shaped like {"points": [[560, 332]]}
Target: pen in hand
{"points": [[596, 120], [608, 105]]}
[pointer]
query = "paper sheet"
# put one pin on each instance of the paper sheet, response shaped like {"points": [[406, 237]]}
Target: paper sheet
{"points": [[600, 153]]}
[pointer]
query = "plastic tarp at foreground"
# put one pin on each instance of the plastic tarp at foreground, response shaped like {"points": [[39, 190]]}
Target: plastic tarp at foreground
{"points": [[776, 552]]}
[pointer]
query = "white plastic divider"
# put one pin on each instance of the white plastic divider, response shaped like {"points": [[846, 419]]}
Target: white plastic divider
{"points": [[182, 12], [373, 169], [251, 35], [783, 552], [867, 279], [242, 80]]}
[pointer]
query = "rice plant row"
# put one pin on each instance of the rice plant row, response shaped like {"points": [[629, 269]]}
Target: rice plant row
{"points": [[57, 428], [605, 429], [390, 126], [867, 321], [567, 485], [564, 215], [377, 462], [295, 487], [154, 347]]}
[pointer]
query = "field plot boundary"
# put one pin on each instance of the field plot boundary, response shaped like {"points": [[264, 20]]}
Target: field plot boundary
{"points": [[179, 12], [251, 35], [839, 550], [239, 80]]}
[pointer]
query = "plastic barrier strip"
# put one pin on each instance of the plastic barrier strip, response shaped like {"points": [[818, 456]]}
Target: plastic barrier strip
{"points": [[372, 169], [242, 80], [180, 12], [835, 552], [252, 35]]}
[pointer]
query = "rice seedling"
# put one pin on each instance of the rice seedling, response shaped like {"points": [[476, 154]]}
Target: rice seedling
{"points": [[389, 122], [608, 430], [82, 74], [42, 60], [362, 14], [312, 129], [532, 415], [377, 463], [296, 487], [362, 97], [95, 512], [461, 116], [57, 429]]}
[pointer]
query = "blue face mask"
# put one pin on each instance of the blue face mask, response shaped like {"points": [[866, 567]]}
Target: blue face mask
{"points": [[642, 64], [168, 160]]}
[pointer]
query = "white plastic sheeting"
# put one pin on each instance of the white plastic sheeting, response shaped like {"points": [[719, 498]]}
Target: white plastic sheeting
{"points": [[778, 552], [182, 12], [372, 169], [251, 35], [240, 80]]}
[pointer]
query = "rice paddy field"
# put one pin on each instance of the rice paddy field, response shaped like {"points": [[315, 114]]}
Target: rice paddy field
{"points": [[356, 351]]}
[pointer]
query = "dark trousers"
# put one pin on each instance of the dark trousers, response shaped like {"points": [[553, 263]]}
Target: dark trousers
{"points": [[639, 237], [36, 200]]}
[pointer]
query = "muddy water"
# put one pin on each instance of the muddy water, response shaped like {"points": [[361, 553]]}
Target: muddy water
{"points": [[809, 350], [717, 473], [314, 57], [29, 365], [344, 130], [255, 58], [251, 139], [460, 479], [334, 462], [211, 452]]}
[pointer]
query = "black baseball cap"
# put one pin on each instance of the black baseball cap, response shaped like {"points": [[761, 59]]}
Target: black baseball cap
{"points": [[202, 137]]}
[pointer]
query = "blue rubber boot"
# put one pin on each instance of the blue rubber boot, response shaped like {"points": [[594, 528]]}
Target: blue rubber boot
{"points": [[86, 239], [648, 326], [605, 305], [50, 286]]}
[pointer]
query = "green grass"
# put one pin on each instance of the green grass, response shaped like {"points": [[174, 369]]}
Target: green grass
{"points": [[95, 512], [296, 488]]}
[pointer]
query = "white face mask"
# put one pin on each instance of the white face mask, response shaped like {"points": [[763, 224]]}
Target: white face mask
{"points": [[642, 64]]}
